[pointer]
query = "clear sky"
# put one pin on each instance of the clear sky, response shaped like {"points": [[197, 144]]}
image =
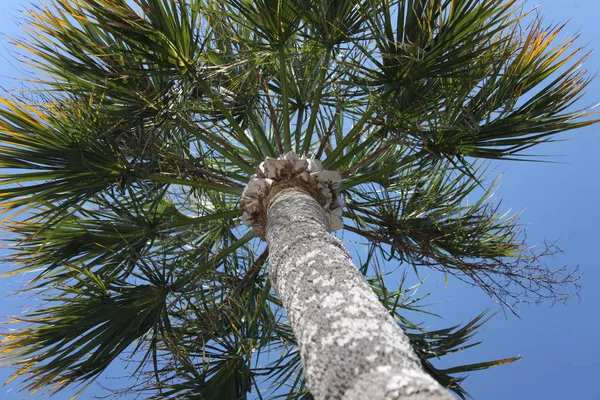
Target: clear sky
{"points": [[561, 358]]}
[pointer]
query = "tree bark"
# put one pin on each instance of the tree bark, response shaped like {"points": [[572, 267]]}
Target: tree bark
{"points": [[351, 347]]}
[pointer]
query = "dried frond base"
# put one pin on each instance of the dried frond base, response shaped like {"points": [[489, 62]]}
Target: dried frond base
{"points": [[274, 175]]}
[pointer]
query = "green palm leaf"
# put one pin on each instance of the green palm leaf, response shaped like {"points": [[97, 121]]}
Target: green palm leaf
{"points": [[123, 172]]}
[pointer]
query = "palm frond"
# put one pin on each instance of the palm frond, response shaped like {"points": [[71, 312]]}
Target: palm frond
{"points": [[81, 331], [122, 173]]}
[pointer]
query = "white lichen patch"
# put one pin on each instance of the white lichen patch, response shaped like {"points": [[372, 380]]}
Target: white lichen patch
{"points": [[288, 168], [404, 379], [351, 347], [321, 281], [333, 299]]}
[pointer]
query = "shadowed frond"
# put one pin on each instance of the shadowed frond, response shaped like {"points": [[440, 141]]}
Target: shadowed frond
{"points": [[124, 162], [433, 344], [81, 331]]}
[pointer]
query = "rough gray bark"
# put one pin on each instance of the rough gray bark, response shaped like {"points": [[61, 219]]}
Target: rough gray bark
{"points": [[351, 347]]}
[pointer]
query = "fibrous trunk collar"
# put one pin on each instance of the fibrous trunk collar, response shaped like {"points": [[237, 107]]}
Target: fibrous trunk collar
{"points": [[290, 170]]}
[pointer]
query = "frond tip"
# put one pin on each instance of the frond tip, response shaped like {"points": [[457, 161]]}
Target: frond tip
{"points": [[126, 156], [80, 332], [439, 343]]}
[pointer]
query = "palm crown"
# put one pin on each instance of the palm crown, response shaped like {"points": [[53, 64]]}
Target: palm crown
{"points": [[126, 163]]}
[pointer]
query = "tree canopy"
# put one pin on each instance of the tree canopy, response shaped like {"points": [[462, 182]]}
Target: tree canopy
{"points": [[125, 158]]}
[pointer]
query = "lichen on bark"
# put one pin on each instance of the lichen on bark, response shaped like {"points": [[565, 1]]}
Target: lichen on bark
{"points": [[351, 348]]}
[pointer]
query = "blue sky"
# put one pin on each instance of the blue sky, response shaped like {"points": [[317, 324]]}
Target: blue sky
{"points": [[557, 200]]}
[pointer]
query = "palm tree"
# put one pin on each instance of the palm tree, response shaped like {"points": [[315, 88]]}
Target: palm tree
{"points": [[173, 160]]}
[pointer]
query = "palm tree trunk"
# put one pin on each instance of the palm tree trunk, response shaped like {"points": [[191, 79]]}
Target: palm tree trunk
{"points": [[351, 347]]}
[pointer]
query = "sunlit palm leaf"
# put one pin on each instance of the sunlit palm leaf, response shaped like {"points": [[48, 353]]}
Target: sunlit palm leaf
{"points": [[122, 174]]}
